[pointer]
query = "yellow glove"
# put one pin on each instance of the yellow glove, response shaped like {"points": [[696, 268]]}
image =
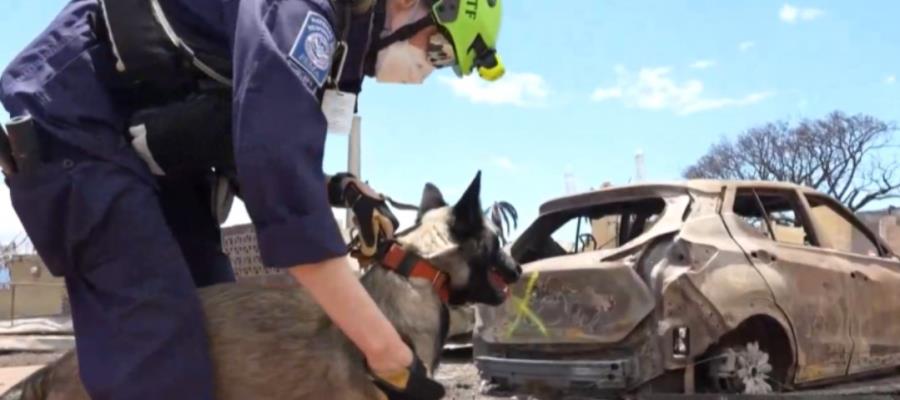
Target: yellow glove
{"points": [[371, 214]]}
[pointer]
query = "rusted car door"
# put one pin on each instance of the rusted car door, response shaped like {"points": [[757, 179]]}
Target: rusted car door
{"points": [[875, 284], [811, 286]]}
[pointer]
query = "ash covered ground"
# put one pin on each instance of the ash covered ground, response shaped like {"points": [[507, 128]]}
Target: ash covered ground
{"points": [[456, 372]]}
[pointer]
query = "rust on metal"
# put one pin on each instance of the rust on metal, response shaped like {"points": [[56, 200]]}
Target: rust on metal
{"points": [[704, 257]]}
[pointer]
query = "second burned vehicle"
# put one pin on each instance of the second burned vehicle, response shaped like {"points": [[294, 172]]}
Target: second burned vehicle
{"points": [[712, 286]]}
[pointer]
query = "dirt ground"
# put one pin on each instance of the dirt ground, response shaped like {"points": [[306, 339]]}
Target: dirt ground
{"points": [[456, 372], [27, 359], [459, 376]]}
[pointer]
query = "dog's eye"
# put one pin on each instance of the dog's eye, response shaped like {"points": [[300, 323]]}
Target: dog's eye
{"points": [[495, 246]]}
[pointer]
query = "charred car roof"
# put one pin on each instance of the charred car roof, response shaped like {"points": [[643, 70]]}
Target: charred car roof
{"points": [[642, 190]]}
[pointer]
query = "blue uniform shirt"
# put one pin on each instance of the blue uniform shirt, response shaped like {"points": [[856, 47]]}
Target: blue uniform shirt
{"points": [[281, 52]]}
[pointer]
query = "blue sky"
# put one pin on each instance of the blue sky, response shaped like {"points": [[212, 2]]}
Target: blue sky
{"points": [[593, 81]]}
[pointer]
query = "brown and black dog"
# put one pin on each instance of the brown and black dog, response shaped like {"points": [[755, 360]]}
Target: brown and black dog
{"points": [[270, 343]]}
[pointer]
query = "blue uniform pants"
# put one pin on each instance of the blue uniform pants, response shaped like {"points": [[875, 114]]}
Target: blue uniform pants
{"points": [[132, 248], [131, 256]]}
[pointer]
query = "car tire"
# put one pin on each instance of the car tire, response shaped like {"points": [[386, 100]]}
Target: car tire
{"points": [[753, 359], [741, 370]]}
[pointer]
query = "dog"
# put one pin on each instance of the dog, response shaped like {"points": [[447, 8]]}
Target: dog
{"points": [[277, 343]]}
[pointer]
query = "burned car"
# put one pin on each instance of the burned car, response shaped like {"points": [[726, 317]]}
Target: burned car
{"points": [[706, 286]]}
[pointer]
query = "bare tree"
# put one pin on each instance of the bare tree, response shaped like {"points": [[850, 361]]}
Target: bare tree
{"points": [[853, 158]]}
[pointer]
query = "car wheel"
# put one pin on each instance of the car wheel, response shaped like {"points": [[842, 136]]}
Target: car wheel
{"points": [[741, 370]]}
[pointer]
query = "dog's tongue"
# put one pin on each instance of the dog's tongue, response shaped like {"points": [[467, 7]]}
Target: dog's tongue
{"points": [[499, 284]]}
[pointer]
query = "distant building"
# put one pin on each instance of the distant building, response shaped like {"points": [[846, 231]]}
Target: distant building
{"points": [[885, 223], [240, 244], [27, 289]]}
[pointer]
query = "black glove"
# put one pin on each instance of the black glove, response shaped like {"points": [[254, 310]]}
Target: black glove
{"points": [[372, 215], [412, 383]]}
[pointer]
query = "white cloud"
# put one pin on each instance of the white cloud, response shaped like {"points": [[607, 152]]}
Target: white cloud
{"points": [[518, 89], [792, 14], [610, 93], [746, 45], [504, 162], [890, 79], [703, 64], [654, 89]]}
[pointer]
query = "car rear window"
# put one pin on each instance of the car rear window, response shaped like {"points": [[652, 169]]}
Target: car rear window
{"points": [[772, 214], [592, 228]]}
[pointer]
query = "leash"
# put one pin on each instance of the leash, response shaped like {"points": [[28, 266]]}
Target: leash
{"points": [[400, 206], [384, 244], [391, 256]]}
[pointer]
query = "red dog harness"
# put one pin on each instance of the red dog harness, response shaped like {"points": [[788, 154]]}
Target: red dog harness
{"points": [[410, 265]]}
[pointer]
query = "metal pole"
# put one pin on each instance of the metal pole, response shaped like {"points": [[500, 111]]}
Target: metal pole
{"points": [[639, 166], [12, 306], [353, 157]]}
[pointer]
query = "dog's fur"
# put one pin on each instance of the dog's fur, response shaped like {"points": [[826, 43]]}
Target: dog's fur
{"points": [[279, 344]]}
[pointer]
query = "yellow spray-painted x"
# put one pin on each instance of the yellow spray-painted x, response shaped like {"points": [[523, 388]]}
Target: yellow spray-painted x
{"points": [[523, 309]]}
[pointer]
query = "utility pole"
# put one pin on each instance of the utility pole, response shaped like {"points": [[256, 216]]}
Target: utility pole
{"points": [[569, 179], [639, 166], [354, 158]]}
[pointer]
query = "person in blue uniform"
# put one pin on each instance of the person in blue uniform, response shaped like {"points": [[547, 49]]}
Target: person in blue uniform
{"points": [[141, 108]]}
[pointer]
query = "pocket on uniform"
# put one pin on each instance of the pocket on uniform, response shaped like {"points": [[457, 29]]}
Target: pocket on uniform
{"points": [[40, 199]]}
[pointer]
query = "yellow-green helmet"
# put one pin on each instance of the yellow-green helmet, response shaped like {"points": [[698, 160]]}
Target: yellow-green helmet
{"points": [[472, 27]]}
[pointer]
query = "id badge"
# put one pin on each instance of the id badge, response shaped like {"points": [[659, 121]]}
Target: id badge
{"points": [[338, 108]]}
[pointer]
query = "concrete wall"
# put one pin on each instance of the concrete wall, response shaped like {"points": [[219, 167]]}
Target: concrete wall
{"points": [[885, 224], [32, 291], [239, 243]]}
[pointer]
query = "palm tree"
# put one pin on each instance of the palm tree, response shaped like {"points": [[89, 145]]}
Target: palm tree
{"points": [[501, 213]]}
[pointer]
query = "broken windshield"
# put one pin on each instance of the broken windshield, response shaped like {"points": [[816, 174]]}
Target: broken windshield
{"points": [[590, 228]]}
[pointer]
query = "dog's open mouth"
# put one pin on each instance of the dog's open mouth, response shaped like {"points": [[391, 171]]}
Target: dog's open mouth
{"points": [[499, 284]]}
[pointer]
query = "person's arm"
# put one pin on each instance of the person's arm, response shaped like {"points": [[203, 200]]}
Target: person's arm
{"points": [[279, 140], [333, 284]]}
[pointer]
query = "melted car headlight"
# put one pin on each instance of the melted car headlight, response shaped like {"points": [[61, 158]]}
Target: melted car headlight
{"points": [[681, 342]]}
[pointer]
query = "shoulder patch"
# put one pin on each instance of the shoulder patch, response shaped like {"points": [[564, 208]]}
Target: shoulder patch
{"points": [[314, 47]]}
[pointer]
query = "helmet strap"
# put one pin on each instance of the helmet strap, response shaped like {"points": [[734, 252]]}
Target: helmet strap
{"points": [[403, 33], [379, 20]]}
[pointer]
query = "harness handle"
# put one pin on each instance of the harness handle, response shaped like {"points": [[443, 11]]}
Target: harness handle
{"points": [[385, 244]]}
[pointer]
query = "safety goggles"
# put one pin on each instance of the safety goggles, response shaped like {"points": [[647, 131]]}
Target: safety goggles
{"points": [[440, 51]]}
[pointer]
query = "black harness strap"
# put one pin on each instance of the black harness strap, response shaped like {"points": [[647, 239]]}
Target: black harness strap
{"points": [[406, 266], [144, 51], [442, 335], [400, 206], [404, 33]]}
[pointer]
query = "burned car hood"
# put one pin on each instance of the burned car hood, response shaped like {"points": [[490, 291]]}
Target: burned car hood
{"points": [[569, 299]]}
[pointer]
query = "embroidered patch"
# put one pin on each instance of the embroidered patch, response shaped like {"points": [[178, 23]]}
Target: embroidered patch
{"points": [[314, 47]]}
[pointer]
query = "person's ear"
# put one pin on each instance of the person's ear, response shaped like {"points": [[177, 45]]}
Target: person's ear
{"points": [[406, 4]]}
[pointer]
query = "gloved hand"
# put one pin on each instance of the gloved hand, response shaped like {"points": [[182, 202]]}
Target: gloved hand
{"points": [[373, 217], [412, 383]]}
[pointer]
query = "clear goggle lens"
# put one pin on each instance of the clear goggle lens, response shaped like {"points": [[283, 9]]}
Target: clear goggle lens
{"points": [[440, 51]]}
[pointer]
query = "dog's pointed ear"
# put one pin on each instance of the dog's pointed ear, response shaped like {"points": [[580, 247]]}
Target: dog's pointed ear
{"points": [[431, 199], [468, 219]]}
